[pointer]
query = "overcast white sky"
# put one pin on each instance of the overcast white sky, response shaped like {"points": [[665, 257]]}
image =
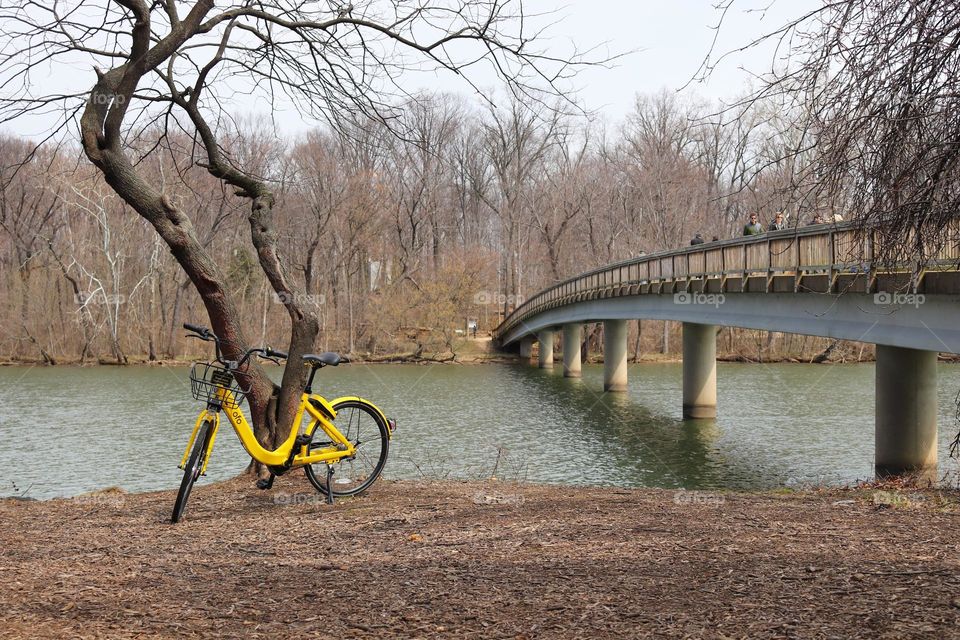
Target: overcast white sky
{"points": [[669, 40]]}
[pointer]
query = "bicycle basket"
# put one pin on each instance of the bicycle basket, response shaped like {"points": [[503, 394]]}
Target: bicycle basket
{"points": [[206, 381]]}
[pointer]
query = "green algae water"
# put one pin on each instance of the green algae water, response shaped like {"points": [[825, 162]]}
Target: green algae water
{"points": [[68, 430]]}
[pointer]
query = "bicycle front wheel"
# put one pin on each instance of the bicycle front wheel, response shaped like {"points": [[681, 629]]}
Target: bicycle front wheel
{"points": [[191, 471], [366, 429]]}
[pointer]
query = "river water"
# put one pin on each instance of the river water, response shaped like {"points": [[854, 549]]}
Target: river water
{"points": [[67, 430]]}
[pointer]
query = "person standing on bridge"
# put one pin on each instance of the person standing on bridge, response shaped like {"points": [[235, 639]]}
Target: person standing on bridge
{"points": [[778, 224], [753, 228]]}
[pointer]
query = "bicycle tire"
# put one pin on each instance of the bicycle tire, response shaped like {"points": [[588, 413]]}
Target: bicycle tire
{"points": [[191, 471], [370, 435]]}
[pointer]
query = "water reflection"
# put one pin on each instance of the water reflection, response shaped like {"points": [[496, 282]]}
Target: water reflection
{"points": [[641, 445]]}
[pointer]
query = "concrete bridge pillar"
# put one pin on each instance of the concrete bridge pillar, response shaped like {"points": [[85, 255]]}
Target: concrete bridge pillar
{"points": [[906, 412], [545, 357], [614, 355], [571, 350], [699, 370], [526, 348]]}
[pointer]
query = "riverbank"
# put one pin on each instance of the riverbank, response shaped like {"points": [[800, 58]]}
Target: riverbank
{"points": [[432, 559], [481, 351], [399, 359], [499, 358]]}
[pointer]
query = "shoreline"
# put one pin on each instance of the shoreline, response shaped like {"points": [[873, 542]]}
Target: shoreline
{"points": [[143, 362], [458, 559], [500, 359], [468, 358], [949, 491], [505, 358]]}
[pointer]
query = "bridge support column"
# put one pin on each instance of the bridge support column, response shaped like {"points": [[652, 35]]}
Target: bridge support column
{"points": [[906, 412], [614, 355], [699, 371], [571, 350], [545, 357], [526, 348]]}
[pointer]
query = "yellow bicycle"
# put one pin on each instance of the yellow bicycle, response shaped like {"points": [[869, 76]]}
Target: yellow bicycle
{"points": [[348, 437]]}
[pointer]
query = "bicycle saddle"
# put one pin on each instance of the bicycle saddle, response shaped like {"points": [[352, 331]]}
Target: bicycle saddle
{"points": [[323, 359]]}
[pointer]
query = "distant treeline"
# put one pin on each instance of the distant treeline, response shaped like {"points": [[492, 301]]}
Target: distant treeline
{"points": [[396, 240]]}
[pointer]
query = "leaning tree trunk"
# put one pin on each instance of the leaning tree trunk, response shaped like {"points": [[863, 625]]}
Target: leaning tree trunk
{"points": [[102, 139]]}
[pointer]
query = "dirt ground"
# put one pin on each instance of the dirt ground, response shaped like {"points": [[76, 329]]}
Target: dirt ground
{"points": [[482, 560]]}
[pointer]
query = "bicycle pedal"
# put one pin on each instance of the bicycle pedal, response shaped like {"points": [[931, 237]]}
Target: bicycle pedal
{"points": [[265, 483]]}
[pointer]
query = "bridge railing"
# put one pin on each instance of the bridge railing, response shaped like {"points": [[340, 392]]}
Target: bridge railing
{"points": [[819, 258]]}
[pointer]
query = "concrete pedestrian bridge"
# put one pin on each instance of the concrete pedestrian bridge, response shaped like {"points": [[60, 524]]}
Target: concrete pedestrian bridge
{"points": [[819, 280]]}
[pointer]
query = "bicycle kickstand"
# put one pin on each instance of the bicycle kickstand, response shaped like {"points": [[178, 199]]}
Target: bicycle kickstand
{"points": [[265, 483], [329, 484]]}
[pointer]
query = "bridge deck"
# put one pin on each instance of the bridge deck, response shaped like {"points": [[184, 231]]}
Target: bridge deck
{"points": [[806, 273]]}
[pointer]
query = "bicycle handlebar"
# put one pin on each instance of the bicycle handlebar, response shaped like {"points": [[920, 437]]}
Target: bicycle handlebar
{"points": [[266, 352], [203, 331], [206, 334]]}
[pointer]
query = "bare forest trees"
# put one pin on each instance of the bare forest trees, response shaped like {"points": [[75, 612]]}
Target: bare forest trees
{"points": [[869, 90], [166, 67], [27, 215], [383, 231], [516, 142], [391, 241]]}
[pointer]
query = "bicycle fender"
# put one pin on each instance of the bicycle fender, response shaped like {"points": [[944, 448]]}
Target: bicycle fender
{"points": [[326, 407], [369, 404]]}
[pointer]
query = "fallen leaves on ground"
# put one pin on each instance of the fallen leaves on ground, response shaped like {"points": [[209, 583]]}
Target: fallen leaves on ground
{"points": [[431, 559]]}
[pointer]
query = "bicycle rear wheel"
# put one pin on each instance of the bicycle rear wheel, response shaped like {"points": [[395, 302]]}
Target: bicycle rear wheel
{"points": [[363, 426], [191, 471]]}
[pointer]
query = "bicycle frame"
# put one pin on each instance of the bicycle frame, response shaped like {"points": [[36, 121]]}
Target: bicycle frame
{"points": [[342, 448]]}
